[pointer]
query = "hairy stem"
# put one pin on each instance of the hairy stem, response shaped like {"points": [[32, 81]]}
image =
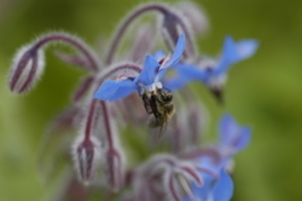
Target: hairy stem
{"points": [[90, 120], [125, 24], [162, 9], [74, 42]]}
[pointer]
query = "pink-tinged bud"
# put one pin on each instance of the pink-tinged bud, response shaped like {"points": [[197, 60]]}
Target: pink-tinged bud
{"points": [[115, 169], [27, 67], [86, 153], [195, 16]]}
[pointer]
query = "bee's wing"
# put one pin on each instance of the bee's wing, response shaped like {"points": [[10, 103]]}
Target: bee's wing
{"points": [[162, 130], [160, 124]]}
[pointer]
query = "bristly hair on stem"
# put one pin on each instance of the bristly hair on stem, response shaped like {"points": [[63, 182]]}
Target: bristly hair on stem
{"points": [[28, 64]]}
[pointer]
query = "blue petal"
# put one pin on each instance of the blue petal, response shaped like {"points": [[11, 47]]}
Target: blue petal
{"points": [[185, 73], [214, 165], [232, 135], [191, 72], [223, 189], [159, 55], [244, 139], [235, 52], [149, 71], [201, 193], [227, 129], [175, 83], [178, 51], [246, 48], [186, 199], [114, 90], [228, 57]]}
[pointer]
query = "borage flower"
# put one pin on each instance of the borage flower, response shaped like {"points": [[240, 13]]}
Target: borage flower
{"points": [[218, 185], [148, 80], [214, 189], [214, 72]]}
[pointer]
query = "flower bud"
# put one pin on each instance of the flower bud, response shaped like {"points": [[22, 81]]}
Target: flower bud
{"points": [[27, 67], [115, 169], [86, 154]]}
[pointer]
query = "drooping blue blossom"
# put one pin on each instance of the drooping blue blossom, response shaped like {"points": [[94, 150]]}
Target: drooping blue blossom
{"points": [[148, 80], [213, 72], [218, 185]]}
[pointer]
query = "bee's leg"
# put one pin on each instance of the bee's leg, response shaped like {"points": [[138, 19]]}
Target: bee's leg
{"points": [[147, 104], [153, 104]]}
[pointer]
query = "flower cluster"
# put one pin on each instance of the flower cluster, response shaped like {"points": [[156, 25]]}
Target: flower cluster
{"points": [[105, 104]]}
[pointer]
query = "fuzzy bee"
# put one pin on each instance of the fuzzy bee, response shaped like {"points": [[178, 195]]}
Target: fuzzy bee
{"points": [[160, 104]]}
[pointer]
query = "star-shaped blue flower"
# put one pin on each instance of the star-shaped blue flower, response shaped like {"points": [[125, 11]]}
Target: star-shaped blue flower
{"points": [[213, 73], [148, 80]]}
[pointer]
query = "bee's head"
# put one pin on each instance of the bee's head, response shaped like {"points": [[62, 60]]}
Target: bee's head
{"points": [[165, 96]]}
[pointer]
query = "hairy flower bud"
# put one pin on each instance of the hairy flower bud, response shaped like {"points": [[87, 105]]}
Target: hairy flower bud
{"points": [[115, 169], [27, 67], [86, 154], [28, 63]]}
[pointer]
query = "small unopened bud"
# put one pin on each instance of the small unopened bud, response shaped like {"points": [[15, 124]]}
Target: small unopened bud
{"points": [[86, 153], [27, 67], [115, 169], [195, 16]]}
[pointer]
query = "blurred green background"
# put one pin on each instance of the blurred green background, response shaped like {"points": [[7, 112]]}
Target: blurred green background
{"points": [[264, 91]]}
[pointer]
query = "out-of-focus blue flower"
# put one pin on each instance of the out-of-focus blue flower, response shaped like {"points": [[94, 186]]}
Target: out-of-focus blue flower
{"points": [[232, 136], [148, 80], [211, 72], [218, 185]]}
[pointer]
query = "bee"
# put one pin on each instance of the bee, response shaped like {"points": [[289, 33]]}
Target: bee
{"points": [[160, 104]]}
